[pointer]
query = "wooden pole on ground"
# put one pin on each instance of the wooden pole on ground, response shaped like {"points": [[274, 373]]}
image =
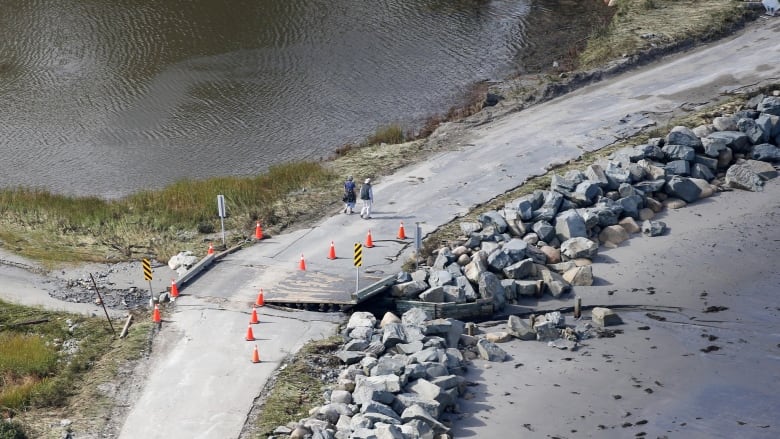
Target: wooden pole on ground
{"points": [[127, 326]]}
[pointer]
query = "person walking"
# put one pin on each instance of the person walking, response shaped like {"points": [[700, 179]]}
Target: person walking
{"points": [[349, 196], [367, 199]]}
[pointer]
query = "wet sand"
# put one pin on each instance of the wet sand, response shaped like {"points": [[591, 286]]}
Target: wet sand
{"points": [[676, 373]]}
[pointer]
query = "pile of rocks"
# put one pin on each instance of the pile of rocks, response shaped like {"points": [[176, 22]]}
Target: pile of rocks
{"points": [[544, 242], [400, 376]]}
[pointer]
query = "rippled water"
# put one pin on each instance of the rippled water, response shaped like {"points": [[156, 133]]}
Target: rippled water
{"points": [[108, 97]]}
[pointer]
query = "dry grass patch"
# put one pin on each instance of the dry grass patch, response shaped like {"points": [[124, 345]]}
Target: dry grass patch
{"points": [[55, 368], [638, 25], [299, 385]]}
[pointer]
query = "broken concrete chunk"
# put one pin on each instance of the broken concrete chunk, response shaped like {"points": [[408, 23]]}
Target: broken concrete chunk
{"points": [[605, 317]]}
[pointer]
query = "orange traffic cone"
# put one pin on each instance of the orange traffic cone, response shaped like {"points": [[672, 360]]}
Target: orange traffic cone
{"points": [[258, 231], [369, 241], [156, 314], [255, 355], [260, 298], [211, 249], [401, 232], [332, 254], [249, 335], [302, 264], [174, 289], [254, 320]]}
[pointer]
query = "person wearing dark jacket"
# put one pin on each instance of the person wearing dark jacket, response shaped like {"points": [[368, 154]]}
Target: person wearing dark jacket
{"points": [[367, 199], [349, 196]]}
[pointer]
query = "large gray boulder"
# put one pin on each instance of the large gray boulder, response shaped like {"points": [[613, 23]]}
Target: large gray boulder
{"points": [[713, 145], [682, 188], [630, 205], [679, 152], [653, 228], [569, 224], [467, 288], [544, 230], [476, 267], [735, 140], [702, 172], [443, 258], [555, 284], [520, 329], [764, 170], [586, 193], [751, 129], [498, 260], [490, 351], [725, 123], [580, 247], [494, 219], [678, 167], [743, 177], [408, 289], [681, 135], [520, 270], [770, 105], [490, 288], [595, 173], [515, 248], [768, 124], [766, 152]]}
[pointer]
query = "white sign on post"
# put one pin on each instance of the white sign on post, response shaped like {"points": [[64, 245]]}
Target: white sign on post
{"points": [[221, 205], [221, 211]]}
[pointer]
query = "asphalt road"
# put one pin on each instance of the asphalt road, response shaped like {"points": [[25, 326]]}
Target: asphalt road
{"points": [[202, 384]]}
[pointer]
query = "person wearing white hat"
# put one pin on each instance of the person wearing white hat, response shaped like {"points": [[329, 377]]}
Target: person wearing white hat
{"points": [[367, 199]]}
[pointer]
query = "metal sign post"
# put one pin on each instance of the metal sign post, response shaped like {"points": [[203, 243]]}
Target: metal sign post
{"points": [[221, 211], [417, 244], [357, 262], [147, 267]]}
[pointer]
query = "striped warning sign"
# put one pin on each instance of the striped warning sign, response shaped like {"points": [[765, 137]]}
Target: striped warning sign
{"points": [[147, 269], [358, 260]]}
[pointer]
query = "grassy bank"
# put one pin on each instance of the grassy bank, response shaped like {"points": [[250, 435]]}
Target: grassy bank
{"points": [[54, 228], [641, 25], [51, 367]]}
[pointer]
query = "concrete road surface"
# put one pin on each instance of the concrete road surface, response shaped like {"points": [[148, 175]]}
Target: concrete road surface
{"points": [[202, 383]]}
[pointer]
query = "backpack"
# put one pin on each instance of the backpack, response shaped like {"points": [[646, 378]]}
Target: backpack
{"points": [[364, 192]]}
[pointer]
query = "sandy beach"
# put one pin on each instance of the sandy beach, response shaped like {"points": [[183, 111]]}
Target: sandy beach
{"points": [[667, 373]]}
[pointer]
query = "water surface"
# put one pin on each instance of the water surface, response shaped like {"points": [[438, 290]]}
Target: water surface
{"points": [[109, 97]]}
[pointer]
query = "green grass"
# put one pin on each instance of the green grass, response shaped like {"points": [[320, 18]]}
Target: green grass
{"points": [[36, 362], [23, 354], [52, 369], [390, 134], [298, 386], [12, 430], [666, 21], [56, 228]]}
